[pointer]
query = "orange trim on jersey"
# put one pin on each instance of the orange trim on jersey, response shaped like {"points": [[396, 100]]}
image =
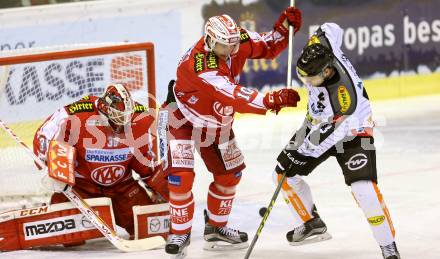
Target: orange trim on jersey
{"points": [[295, 200], [384, 208]]}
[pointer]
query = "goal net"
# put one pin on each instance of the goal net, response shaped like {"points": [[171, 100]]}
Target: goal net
{"points": [[34, 83]]}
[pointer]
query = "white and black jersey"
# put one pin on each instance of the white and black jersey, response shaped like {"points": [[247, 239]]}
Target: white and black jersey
{"points": [[336, 109]]}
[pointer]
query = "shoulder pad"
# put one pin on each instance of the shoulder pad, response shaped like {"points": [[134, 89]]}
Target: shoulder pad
{"points": [[205, 61]]}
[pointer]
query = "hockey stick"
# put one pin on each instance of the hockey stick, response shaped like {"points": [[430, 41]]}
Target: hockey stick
{"points": [[290, 53], [266, 215], [87, 211]]}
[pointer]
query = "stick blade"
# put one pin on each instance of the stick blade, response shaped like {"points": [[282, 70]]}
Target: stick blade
{"points": [[140, 244]]}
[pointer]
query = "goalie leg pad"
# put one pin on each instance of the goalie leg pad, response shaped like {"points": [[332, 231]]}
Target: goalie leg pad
{"points": [[124, 200], [50, 225], [151, 220]]}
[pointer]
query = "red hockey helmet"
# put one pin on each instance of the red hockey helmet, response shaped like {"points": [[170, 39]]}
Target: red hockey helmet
{"points": [[222, 29], [116, 104]]}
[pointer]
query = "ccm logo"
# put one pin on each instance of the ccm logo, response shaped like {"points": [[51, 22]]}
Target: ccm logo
{"points": [[108, 175], [357, 161]]}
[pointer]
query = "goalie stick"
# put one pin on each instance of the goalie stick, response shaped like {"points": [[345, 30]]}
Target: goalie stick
{"points": [[87, 211]]}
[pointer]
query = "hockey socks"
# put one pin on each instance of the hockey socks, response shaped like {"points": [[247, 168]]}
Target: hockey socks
{"points": [[371, 202], [181, 214], [219, 206]]}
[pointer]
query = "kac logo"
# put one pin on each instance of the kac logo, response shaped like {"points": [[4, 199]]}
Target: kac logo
{"points": [[108, 175], [357, 161]]}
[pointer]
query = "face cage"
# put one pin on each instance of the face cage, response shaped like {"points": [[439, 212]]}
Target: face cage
{"points": [[121, 118]]}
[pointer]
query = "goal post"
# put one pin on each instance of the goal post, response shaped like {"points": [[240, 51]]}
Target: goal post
{"points": [[36, 82]]}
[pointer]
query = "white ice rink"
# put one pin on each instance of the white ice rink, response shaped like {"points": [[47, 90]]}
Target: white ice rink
{"points": [[408, 160]]}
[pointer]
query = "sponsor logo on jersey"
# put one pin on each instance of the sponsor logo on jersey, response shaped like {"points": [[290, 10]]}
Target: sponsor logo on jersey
{"points": [[80, 107], [231, 154], [108, 175], [174, 180], [107, 155], [211, 61], [139, 108], [377, 220], [182, 153], [54, 227], [344, 98], [193, 100], [158, 224], [199, 63], [244, 36], [222, 110], [357, 161]]}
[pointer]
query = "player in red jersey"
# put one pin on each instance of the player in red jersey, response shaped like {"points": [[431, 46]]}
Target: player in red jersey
{"points": [[111, 136], [206, 94]]}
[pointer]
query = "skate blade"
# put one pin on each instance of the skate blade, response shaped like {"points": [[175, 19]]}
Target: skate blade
{"points": [[180, 255], [312, 239], [224, 246]]}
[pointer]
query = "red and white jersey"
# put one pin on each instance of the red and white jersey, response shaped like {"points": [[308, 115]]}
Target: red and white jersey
{"points": [[103, 158], [207, 88]]}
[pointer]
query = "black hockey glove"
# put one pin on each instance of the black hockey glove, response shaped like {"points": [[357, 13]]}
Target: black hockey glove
{"points": [[290, 161]]}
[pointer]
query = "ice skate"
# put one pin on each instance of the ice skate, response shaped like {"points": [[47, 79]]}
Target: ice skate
{"points": [[223, 238], [177, 245], [312, 231], [390, 251]]}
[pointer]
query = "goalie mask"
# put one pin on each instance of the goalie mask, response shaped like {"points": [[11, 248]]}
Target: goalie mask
{"points": [[312, 63], [222, 29], [116, 104]]}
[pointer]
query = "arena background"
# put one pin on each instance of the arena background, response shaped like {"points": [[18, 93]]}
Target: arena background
{"points": [[394, 45]]}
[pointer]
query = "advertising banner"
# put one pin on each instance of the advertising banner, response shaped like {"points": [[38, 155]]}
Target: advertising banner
{"points": [[381, 38]]}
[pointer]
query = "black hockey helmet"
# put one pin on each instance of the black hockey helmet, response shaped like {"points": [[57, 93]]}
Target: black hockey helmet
{"points": [[314, 59]]}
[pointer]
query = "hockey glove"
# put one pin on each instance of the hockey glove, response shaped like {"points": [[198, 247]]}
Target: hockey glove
{"points": [[159, 183], [290, 161], [276, 100], [290, 16]]}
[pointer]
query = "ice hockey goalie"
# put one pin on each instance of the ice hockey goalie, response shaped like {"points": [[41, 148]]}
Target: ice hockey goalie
{"points": [[110, 138]]}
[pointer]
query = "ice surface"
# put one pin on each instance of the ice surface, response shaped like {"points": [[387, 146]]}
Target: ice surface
{"points": [[408, 160]]}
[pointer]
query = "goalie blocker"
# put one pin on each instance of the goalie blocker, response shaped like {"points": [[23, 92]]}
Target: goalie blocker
{"points": [[62, 223]]}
